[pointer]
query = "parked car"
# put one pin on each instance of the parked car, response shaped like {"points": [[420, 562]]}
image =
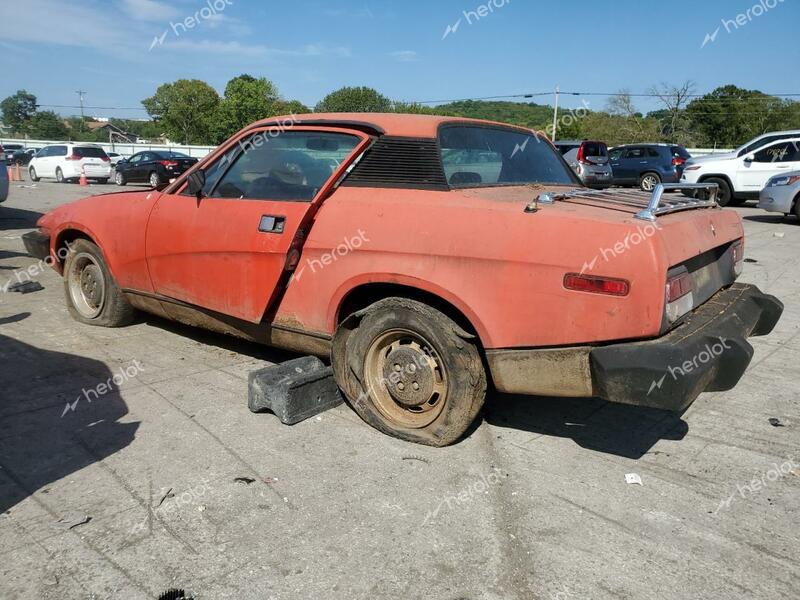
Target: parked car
{"points": [[588, 159], [20, 157], [782, 194], [3, 177], [647, 165], [10, 149], [115, 157], [66, 162], [152, 166], [742, 177], [426, 256]]}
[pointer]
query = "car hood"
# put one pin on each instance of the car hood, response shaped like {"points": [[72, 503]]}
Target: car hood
{"points": [[711, 158]]}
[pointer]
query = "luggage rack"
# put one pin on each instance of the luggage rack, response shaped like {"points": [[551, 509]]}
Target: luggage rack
{"points": [[651, 207]]}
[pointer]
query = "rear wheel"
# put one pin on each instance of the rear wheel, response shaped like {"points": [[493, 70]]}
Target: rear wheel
{"points": [[32, 173], [649, 181], [155, 180], [410, 371], [725, 196], [92, 295]]}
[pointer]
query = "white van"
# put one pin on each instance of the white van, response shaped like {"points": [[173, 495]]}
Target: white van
{"points": [[66, 162]]}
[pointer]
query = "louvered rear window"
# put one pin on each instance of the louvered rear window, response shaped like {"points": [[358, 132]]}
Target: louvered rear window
{"points": [[400, 162]]}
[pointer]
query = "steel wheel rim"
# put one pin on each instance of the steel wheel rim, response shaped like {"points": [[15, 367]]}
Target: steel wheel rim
{"points": [[405, 378], [649, 183], [87, 285]]}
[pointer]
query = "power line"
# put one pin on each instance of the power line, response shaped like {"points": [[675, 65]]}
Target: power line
{"points": [[92, 107], [765, 97]]}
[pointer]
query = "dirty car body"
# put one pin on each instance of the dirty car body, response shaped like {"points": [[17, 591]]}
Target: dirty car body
{"points": [[414, 250]]}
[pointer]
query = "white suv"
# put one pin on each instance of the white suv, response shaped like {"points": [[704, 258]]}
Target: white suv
{"points": [[743, 173], [66, 162]]}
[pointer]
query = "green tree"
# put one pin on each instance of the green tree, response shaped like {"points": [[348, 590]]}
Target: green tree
{"points": [[730, 115], [18, 110], [354, 99], [246, 100], [291, 107], [186, 110], [47, 125]]}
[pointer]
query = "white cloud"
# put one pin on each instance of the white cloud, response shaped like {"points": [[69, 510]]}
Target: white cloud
{"points": [[149, 10], [405, 56]]}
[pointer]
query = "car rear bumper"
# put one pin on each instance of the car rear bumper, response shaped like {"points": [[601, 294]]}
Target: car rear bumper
{"points": [[37, 244], [708, 352]]}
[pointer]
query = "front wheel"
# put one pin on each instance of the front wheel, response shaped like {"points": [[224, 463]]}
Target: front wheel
{"points": [[649, 181], [410, 371], [155, 180], [92, 295], [32, 173], [725, 196], [119, 178]]}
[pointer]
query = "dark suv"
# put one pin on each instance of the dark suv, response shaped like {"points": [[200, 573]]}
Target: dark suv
{"points": [[647, 165]]}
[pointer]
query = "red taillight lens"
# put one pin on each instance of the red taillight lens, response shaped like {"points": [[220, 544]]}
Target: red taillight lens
{"points": [[105, 159], [678, 286], [168, 163], [73, 157], [596, 285], [677, 162], [581, 158]]}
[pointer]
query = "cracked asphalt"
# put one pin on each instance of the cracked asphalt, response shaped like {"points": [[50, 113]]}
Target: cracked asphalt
{"points": [[166, 480]]}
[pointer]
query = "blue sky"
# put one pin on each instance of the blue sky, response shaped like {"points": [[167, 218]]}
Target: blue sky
{"points": [[308, 48]]}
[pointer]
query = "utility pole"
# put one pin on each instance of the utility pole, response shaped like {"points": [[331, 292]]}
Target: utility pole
{"points": [[80, 95], [555, 116]]}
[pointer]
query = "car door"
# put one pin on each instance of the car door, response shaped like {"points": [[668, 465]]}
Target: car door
{"points": [[628, 170], [132, 169], [227, 251], [755, 170]]}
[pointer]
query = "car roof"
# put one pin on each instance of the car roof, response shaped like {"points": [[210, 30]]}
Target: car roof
{"points": [[392, 124]]}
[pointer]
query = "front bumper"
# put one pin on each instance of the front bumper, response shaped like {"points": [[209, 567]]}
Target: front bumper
{"points": [[37, 244], [707, 352], [777, 198]]}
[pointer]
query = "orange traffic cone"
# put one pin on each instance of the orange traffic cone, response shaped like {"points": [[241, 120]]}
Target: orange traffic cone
{"points": [[10, 173], [83, 180], [18, 175]]}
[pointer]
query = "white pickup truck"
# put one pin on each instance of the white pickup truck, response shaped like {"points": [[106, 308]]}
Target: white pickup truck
{"points": [[743, 173]]}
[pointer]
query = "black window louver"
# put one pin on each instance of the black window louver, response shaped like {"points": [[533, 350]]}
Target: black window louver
{"points": [[400, 162]]}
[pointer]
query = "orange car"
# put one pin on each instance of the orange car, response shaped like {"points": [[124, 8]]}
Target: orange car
{"points": [[428, 257]]}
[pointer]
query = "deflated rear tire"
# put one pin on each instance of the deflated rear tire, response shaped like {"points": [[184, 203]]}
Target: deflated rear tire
{"points": [[410, 371], [92, 295]]}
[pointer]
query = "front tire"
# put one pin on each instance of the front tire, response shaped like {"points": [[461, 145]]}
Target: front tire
{"points": [[92, 295], [32, 173], [725, 195], [119, 178], [649, 181], [155, 180], [410, 371]]}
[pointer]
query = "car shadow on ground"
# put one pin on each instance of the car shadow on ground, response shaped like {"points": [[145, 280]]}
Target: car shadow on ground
{"points": [[594, 424], [17, 218], [776, 219], [41, 441]]}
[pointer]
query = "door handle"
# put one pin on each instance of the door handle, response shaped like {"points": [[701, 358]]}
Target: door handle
{"points": [[271, 224]]}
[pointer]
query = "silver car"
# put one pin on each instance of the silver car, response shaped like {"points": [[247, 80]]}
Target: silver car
{"points": [[782, 194], [589, 160]]}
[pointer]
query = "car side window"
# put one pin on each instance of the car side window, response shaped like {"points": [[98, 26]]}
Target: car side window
{"points": [[615, 154], [652, 153], [135, 159], [783, 152], [58, 151], [293, 165], [635, 153]]}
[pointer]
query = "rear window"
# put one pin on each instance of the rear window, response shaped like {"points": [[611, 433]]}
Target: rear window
{"points": [[680, 152], [89, 152], [595, 149], [484, 156], [564, 148]]}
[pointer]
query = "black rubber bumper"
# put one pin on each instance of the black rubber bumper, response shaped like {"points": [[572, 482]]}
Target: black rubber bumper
{"points": [[37, 244], [707, 353]]}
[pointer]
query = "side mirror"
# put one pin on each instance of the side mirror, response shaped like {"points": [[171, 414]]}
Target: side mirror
{"points": [[195, 183], [749, 158]]}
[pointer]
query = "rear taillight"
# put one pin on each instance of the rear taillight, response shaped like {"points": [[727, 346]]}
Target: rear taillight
{"points": [[168, 163], [73, 157], [738, 257], [596, 285], [679, 295], [105, 159], [677, 162], [581, 158]]}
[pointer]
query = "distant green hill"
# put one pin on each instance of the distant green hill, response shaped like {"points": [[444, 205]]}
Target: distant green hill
{"points": [[517, 113]]}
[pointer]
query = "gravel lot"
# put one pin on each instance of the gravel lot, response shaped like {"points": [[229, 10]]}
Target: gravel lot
{"points": [[136, 491]]}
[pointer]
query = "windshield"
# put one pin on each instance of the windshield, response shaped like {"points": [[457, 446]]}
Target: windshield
{"points": [[89, 152], [484, 156]]}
